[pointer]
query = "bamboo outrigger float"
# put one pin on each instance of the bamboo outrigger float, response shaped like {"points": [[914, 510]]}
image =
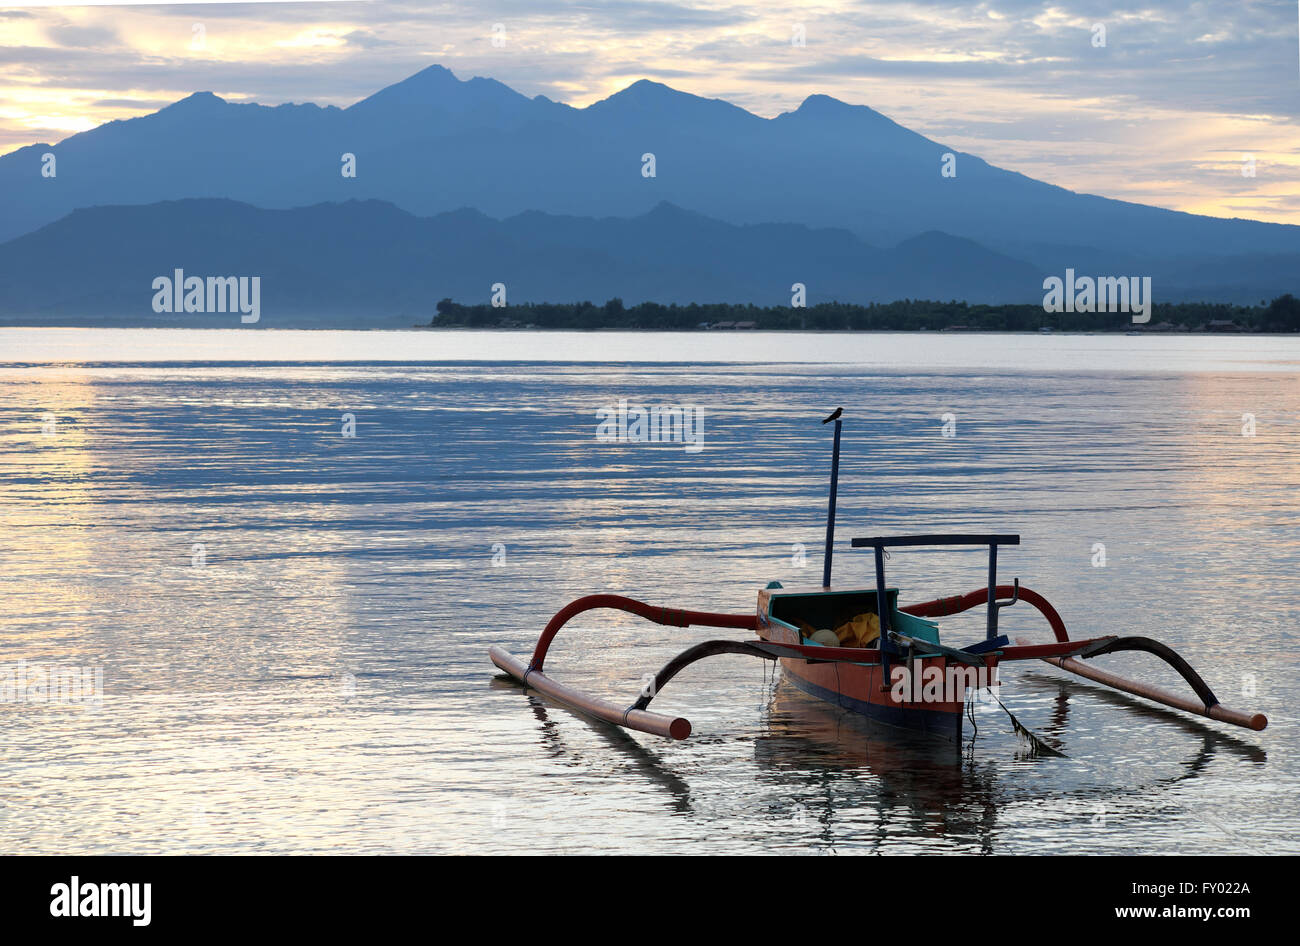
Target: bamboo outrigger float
{"points": [[856, 648]]}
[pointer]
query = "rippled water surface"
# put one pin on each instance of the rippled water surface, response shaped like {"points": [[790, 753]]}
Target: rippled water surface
{"points": [[292, 625]]}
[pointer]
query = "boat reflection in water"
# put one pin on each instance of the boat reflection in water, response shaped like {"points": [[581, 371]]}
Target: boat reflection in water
{"points": [[635, 758], [919, 785]]}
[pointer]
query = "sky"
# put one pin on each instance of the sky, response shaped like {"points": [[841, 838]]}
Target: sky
{"points": [[1165, 112]]}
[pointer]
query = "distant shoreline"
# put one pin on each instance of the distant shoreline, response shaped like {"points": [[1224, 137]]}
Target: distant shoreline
{"points": [[267, 326], [1281, 316]]}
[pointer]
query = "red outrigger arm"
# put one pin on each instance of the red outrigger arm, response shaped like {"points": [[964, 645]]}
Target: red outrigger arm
{"points": [[1208, 704], [942, 607], [670, 616], [635, 716]]}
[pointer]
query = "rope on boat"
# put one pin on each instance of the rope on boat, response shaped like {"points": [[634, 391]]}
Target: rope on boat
{"points": [[1039, 747]]}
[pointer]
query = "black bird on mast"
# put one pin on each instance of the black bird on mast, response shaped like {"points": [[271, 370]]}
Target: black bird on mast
{"points": [[835, 416]]}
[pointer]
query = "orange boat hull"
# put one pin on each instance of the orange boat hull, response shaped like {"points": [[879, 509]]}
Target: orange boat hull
{"points": [[857, 688]]}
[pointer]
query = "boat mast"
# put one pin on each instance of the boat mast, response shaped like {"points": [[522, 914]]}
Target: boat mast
{"points": [[830, 514]]}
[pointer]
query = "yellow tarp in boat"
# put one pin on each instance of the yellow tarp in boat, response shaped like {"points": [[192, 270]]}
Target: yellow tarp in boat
{"points": [[860, 631]]}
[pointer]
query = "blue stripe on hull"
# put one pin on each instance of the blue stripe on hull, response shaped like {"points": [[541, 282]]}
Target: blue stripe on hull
{"points": [[930, 722]]}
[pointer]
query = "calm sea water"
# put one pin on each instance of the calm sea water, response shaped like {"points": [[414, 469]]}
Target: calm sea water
{"points": [[291, 625]]}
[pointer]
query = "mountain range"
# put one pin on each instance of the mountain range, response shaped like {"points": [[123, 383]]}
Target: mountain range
{"points": [[370, 263], [833, 195]]}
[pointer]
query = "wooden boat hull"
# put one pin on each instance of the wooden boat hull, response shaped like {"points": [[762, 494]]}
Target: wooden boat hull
{"points": [[858, 687]]}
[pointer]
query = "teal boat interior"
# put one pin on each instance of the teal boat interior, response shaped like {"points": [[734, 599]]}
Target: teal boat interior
{"points": [[831, 609]]}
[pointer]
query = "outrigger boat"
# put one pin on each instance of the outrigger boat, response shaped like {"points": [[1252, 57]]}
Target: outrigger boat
{"points": [[859, 650]]}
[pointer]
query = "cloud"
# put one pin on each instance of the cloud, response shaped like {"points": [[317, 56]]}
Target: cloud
{"points": [[83, 37], [152, 105], [366, 39]]}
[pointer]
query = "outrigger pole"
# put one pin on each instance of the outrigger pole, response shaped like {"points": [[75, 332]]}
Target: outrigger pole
{"points": [[1207, 705], [830, 515]]}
